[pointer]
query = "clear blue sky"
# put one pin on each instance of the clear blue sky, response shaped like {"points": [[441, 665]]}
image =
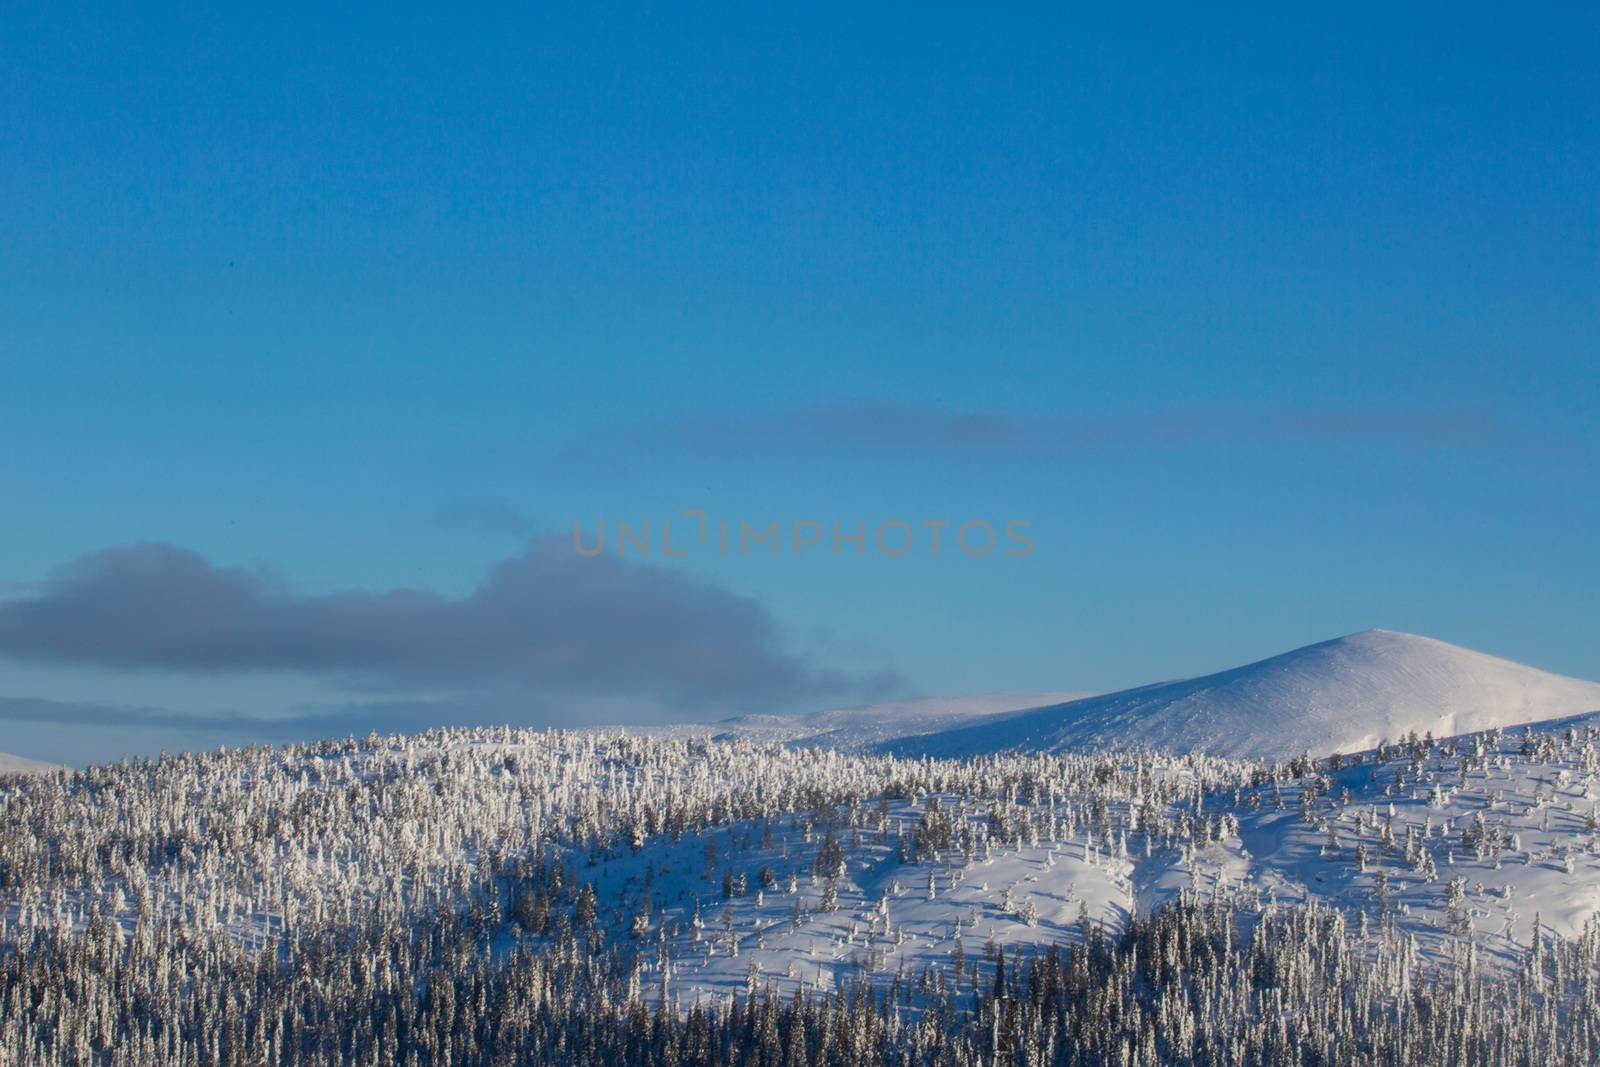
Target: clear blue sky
{"points": [[1275, 327]]}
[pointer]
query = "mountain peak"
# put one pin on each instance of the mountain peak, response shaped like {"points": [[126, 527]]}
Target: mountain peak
{"points": [[1343, 695]]}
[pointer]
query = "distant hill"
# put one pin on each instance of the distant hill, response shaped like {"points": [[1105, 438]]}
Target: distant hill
{"points": [[858, 728], [10, 764], [1344, 695]]}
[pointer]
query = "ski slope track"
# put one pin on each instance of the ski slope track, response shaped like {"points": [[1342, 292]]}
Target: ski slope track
{"points": [[1346, 695]]}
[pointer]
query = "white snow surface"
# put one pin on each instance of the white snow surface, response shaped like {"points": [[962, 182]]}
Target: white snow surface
{"points": [[1345, 695], [1514, 819], [890, 917]]}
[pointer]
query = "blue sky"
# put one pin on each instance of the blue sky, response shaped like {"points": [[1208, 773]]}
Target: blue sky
{"points": [[1274, 326]]}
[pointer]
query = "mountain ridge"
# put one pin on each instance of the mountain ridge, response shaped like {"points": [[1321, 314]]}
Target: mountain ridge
{"points": [[1346, 694], [10, 764], [863, 726]]}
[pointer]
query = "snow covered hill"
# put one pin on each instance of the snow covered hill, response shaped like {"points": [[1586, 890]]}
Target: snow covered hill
{"points": [[1344, 695], [650, 880], [856, 729], [10, 764], [1484, 836], [793, 918]]}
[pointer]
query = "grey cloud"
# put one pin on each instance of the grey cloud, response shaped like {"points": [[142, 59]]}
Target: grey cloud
{"points": [[548, 619], [885, 427]]}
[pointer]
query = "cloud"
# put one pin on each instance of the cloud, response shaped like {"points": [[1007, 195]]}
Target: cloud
{"points": [[866, 426], [547, 619]]}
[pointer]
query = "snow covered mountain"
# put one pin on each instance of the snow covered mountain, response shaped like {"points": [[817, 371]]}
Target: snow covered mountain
{"points": [[856, 729], [1344, 695], [636, 883], [10, 764]]}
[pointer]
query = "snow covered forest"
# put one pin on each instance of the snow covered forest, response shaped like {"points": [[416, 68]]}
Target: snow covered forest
{"points": [[508, 897]]}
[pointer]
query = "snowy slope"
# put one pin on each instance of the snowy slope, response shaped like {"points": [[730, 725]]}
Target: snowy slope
{"points": [[10, 764], [856, 729], [692, 871], [717, 868], [1513, 820], [885, 916], [1344, 695], [1483, 836]]}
